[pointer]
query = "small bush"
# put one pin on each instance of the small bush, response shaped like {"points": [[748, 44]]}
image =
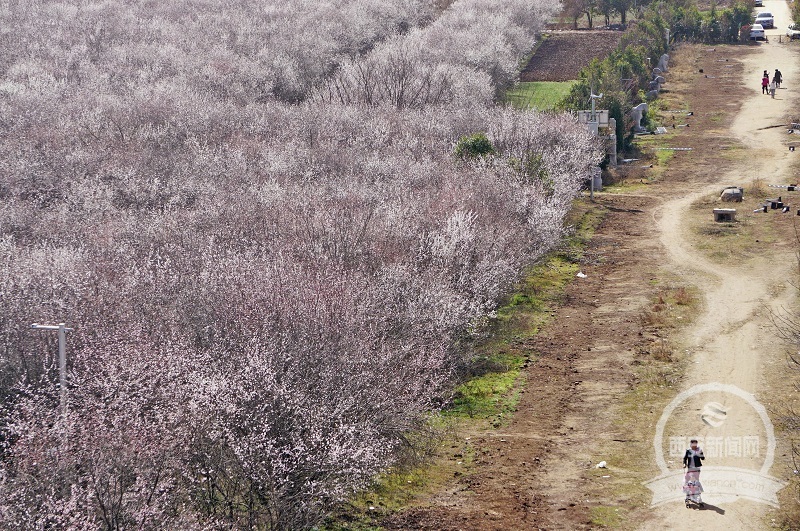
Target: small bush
{"points": [[473, 146]]}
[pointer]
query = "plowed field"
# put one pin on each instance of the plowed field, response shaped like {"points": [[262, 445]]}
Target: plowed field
{"points": [[563, 54]]}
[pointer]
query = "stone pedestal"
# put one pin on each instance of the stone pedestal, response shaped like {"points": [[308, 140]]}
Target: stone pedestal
{"points": [[724, 215]]}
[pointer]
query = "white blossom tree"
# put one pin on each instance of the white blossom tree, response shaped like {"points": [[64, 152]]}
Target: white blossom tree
{"points": [[269, 295]]}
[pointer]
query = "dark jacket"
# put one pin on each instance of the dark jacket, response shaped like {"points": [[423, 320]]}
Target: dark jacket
{"points": [[693, 461]]}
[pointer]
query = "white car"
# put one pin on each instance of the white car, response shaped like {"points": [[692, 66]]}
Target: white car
{"points": [[766, 19], [793, 31], [757, 32], [758, 3]]}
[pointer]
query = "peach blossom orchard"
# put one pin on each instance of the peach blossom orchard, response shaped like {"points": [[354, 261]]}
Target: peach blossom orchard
{"points": [[253, 217]]}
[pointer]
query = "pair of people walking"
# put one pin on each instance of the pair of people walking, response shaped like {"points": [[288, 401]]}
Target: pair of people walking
{"points": [[768, 87]]}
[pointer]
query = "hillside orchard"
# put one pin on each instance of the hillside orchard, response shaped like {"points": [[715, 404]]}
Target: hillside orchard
{"points": [[271, 288]]}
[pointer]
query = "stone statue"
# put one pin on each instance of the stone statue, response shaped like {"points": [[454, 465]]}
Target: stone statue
{"points": [[656, 83], [636, 114], [662, 63]]}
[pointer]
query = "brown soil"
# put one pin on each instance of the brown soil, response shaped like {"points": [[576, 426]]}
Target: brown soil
{"points": [[584, 362], [562, 54], [609, 361]]}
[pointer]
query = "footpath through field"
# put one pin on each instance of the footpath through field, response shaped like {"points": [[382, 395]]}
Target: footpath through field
{"points": [[731, 342], [584, 401]]}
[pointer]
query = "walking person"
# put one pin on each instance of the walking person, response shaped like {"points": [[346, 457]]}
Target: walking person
{"points": [[692, 461], [764, 83], [777, 78], [772, 89]]}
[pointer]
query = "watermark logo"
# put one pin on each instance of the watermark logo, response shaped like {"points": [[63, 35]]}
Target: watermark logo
{"points": [[714, 414], [722, 482]]}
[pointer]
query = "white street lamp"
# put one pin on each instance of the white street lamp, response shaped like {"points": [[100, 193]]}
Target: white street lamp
{"points": [[62, 358]]}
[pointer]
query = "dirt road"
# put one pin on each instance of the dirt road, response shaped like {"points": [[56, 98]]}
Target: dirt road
{"points": [[583, 401], [730, 341]]}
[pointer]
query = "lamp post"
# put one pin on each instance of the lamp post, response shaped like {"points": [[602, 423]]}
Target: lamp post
{"points": [[62, 358]]}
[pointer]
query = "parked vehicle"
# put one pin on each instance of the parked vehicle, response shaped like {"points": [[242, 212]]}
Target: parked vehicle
{"points": [[758, 3], [757, 32], [766, 19], [793, 31]]}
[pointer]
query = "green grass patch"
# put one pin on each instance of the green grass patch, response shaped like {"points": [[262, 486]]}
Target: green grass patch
{"points": [[605, 516], [496, 376], [540, 95], [397, 489], [663, 156], [400, 486], [537, 293], [495, 393], [625, 187], [654, 142]]}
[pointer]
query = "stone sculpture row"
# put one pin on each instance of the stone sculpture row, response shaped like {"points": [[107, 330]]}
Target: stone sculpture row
{"points": [[654, 87]]}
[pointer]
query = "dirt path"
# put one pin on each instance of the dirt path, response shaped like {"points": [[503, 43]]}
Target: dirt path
{"points": [[729, 342], [580, 405]]}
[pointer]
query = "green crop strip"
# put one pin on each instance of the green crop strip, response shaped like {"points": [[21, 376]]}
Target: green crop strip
{"points": [[540, 95]]}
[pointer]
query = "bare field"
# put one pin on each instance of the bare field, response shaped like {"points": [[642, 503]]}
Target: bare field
{"points": [[563, 54]]}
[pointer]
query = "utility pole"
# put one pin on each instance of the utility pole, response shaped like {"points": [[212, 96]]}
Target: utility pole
{"points": [[593, 96], [62, 359]]}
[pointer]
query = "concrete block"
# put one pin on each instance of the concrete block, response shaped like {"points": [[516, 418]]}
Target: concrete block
{"points": [[724, 215]]}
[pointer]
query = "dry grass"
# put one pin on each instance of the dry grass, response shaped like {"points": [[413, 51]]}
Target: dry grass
{"points": [[670, 307], [662, 362], [661, 350], [658, 375], [742, 240], [653, 317], [683, 297], [758, 187]]}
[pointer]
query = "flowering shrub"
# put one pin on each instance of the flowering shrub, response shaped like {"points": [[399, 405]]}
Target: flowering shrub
{"points": [[267, 296], [468, 55], [476, 145]]}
